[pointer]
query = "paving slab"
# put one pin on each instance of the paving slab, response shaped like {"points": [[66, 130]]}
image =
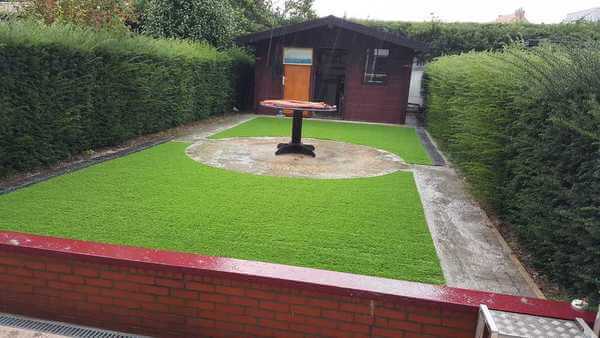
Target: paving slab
{"points": [[471, 253], [333, 160]]}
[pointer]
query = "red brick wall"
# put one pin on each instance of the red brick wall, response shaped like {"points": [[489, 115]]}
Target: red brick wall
{"points": [[182, 304], [177, 294]]}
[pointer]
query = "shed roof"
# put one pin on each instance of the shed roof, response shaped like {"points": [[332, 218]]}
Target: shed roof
{"points": [[332, 21]]}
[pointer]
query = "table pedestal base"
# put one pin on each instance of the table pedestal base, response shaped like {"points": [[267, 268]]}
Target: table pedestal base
{"points": [[295, 148]]}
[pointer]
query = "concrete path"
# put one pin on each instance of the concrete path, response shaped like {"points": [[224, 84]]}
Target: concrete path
{"points": [[470, 249], [204, 129], [11, 332], [472, 252]]}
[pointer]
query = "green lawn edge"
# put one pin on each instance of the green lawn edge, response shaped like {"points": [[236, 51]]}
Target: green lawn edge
{"points": [[372, 226]]}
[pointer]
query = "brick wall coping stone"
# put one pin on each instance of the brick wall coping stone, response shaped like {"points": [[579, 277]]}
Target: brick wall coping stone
{"points": [[332, 282]]}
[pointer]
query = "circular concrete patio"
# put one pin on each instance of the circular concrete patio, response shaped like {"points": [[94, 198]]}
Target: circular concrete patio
{"points": [[334, 160]]}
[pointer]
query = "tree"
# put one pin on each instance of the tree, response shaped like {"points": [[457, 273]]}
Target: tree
{"points": [[218, 21], [212, 21], [98, 14], [257, 15], [296, 11]]}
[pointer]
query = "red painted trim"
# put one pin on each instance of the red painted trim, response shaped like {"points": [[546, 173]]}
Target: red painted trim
{"points": [[284, 275]]}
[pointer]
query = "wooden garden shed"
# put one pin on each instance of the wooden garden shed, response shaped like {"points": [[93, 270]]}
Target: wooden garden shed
{"points": [[364, 71]]}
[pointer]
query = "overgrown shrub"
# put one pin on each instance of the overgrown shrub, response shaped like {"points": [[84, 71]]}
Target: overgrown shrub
{"points": [[66, 89], [98, 14], [212, 21], [523, 126]]}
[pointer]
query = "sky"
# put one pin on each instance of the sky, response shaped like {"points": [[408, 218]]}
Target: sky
{"points": [[536, 11]]}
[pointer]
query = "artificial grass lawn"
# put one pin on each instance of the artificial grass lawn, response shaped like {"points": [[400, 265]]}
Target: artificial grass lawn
{"points": [[402, 141], [160, 198]]}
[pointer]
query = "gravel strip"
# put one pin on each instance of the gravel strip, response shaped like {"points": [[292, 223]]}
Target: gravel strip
{"points": [[436, 157]]}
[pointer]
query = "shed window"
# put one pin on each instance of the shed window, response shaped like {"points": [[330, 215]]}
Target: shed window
{"points": [[376, 66]]}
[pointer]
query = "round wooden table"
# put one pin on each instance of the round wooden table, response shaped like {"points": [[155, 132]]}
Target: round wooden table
{"points": [[295, 146]]}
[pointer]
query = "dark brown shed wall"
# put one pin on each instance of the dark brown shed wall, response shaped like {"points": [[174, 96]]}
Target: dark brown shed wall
{"points": [[364, 102], [379, 103], [267, 83]]}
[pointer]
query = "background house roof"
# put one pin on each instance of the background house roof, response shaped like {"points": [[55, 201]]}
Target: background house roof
{"points": [[592, 14], [332, 21]]}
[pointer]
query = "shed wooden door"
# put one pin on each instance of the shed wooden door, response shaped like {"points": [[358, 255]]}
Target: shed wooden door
{"points": [[296, 85]]}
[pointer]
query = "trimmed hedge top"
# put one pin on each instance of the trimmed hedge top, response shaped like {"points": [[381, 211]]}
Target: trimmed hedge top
{"points": [[87, 40], [448, 38]]}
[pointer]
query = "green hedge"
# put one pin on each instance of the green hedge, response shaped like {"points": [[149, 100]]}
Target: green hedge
{"points": [[67, 89], [449, 38], [523, 125]]}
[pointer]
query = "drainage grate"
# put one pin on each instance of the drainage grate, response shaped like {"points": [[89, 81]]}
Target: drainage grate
{"points": [[59, 328]]}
